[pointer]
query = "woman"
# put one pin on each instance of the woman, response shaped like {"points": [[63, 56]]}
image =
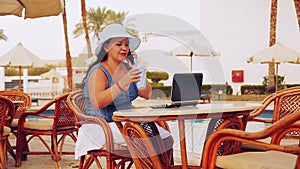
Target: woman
{"points": [[110, 85]]}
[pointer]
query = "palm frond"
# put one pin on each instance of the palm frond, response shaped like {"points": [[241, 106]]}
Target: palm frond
{"points": [[2, 35]]}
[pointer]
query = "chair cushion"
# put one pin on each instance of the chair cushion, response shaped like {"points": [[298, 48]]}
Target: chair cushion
{"points": [[6, 131], [258, 160], [43, 124], [15, 123], [39, 124]]}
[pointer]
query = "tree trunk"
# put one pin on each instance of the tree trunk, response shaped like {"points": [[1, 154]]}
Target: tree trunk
{"points": [[68, 55], [87, 38], [272, 41], [297, 7]]}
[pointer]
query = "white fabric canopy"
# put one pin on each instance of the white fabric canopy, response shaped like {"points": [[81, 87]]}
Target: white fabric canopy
{"points": [[196, 48], [52, 74], [277, 53]]}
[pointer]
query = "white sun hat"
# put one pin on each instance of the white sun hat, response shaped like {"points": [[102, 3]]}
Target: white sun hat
{"points": [[116, 31]]}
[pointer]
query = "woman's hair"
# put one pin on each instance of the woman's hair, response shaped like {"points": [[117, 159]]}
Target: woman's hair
{"points": [[101, 57]]}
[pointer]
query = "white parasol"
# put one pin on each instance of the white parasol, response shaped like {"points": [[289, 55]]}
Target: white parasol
{"points": [[276, 54], [192, 48], [53, 73]]}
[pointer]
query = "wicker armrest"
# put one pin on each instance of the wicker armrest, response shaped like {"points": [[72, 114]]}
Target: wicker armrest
{"points": [[284, 102], [227, 137], [38, 112]]}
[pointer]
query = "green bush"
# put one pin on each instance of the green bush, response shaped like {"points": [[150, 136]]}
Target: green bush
{"points": [[31, 71], [11, 72], [213, 89], [291, 85], [38, 71], [261, 89], [155, 76], [253, 89]]}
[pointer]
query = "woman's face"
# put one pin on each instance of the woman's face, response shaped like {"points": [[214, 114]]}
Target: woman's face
{"points": [[117, 48]]}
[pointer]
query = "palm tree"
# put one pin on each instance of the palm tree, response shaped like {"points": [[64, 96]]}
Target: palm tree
{"points": [[96, 19], [297, 7], [87, 37], [68, 54], [2, 35], [272, 41]]}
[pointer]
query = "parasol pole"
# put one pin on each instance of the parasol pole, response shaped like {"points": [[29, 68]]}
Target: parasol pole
{"points": [[20, 79], [191, 62], [276, 78]]}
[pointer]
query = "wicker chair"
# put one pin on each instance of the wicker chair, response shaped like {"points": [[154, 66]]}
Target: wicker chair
{"points": [[284, 102], [273, 158], [61, 123], [114, 153], [16, 95], [146, 146], [7, 110]]}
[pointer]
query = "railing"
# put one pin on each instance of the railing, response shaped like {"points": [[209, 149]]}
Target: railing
{"points": [[45, 95]]}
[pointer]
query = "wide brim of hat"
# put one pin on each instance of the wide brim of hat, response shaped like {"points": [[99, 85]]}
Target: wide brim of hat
{"points": [[134, 43]]}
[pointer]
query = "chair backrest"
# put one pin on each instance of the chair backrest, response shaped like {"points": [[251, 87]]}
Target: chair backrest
{"points": [[285, 102], [7, 110], [145, 145], [77, 103], [65, 117], [16, 95]]}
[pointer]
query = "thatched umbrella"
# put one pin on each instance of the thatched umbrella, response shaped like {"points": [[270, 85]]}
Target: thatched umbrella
{"points": [[20, 57], [37, 9]]}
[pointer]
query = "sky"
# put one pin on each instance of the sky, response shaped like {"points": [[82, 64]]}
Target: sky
{"points": [[235, 28]]}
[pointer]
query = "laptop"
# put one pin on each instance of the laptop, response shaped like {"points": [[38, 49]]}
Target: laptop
{"points": [[185, 91]]}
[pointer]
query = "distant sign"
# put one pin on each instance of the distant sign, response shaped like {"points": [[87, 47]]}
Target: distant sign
{"points": [[237, 76]]}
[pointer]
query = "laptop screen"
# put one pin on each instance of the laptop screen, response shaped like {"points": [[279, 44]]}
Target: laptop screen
{"points": [[186, 87]]}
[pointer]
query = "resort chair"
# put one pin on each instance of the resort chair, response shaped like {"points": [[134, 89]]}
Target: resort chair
{"points": [[283, 103], [146, 146], [16, 95], [116, 155], [7, 110], [276, 156], [38, 125]]}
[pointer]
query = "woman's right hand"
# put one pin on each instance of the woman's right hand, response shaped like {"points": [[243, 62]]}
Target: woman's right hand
{"points": [[133, 75]]}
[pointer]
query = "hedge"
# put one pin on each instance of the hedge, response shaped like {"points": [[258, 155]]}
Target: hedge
{"points": [[160, 92]]}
